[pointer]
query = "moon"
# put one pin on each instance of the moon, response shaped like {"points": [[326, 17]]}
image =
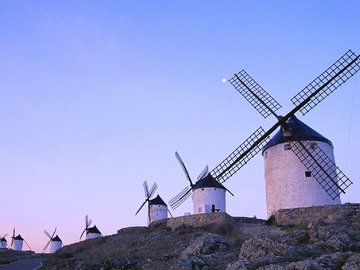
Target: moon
{"points": [[223, 80]]}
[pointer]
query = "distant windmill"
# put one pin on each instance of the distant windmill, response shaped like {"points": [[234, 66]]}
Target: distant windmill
{"points": [[91, 232], [208, 194], [17, 242], [3, 242], [157, 208], [54, 242]]}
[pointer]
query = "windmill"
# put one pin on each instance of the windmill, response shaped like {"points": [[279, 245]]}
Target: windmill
{"points": [[314, 159], [91, 232], [157, 208], [208, 194], [17, 242], [3, 242], [54, 242]]}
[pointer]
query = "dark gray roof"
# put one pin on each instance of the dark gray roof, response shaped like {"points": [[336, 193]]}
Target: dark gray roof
{"points": [[3, 239], [93, 230], [208, 181], [18, 237], [303, 131], [56, 238], [157, 200]]}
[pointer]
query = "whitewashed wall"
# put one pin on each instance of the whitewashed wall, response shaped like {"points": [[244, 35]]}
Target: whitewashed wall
{"points": [[286, 184], [204, 198], [54, 246], [157, 212]]}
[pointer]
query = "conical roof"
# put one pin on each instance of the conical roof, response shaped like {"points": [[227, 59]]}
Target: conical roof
{"points": [[157, 200], [208, 181], [56, 239], [3, 239], [303, 131], [18, 237], [93, 230]]}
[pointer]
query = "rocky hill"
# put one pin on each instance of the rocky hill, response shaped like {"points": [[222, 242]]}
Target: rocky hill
{"points": [[308, 238]]}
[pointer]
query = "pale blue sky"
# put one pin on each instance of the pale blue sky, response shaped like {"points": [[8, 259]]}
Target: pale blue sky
{"points": [[96, 96]]}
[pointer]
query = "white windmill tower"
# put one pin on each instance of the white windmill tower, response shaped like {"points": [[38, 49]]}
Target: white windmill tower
{"points": [[54, 242], [17, 242], [3, 242], [306, 175], [157, 208], [286, 174], [91, 232], [208, 194]]}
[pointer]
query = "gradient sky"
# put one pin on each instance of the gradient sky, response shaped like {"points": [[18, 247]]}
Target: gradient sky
{"points": [[96, 96]]}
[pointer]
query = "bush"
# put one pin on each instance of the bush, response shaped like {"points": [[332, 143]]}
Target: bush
{"points": [[270, 221]]}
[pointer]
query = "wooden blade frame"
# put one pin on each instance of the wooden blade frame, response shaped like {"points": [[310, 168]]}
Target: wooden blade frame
{"points": [[328, 81], [254, 94], [180, 198], [322, 168], [240, 156]]}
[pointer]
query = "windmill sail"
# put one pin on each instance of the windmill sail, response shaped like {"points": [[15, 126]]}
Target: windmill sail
{"points": [[322, 168], [254, 94], [240, 156], [321, 87]]}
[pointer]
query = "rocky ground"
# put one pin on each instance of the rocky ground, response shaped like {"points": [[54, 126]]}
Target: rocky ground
{"points": [[230, 245]]}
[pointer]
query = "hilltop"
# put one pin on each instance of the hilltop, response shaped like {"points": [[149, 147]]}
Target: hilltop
{"points": [[305, 238]]}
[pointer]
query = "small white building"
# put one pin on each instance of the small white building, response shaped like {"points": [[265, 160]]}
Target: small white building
{"points": [[93, 232], [55, 244], [18, 243], [158, 209], [288, 183], [3, 242], [208, 196]]}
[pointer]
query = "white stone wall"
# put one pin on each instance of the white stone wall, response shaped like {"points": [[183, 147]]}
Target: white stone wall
{"points": [[204, 198], [286, 183], [92, 235], [54, 246], [3, 244], [157, 212], [17, 245]]}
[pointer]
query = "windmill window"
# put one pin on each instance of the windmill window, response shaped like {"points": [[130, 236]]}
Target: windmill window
{"points": [[307, 174], [287, 146], [202, 189], [313, 146], [199, 210]]}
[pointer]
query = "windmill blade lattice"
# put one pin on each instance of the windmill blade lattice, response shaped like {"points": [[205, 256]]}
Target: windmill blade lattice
{"points": [[322, 168], [327, 82], [254, 94], [180, 198], [152, 190], [148, 194], [240, 156], [146, 189], [182, 164], [27, 244], [203, 173]]}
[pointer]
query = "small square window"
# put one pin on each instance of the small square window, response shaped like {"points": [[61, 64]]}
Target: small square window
{"points": [[313, 146], [308, 174], [287, 146]]}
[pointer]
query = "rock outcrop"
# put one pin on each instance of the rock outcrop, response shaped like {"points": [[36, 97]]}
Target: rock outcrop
{"points": [[223, 242]]}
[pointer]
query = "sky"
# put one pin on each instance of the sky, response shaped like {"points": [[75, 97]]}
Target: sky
{"points": [[96, 97]]}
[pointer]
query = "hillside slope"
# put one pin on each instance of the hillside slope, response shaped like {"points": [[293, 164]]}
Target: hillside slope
{"points": [[218, 241]]}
